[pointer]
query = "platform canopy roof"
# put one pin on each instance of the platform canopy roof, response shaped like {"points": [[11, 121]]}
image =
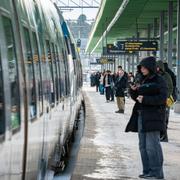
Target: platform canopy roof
{"points": [[120, 19]]}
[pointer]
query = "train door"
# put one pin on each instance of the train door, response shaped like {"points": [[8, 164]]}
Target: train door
{"points": [[12, 147]]}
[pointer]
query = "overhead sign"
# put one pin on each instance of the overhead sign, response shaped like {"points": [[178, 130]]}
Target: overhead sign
{"points": [[114, 50], [105, 60], [137, 45]]}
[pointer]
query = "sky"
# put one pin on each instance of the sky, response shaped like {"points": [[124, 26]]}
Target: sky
{"points": [[74, 14]]}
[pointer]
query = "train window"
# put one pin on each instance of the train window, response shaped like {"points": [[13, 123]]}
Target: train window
{"points": [[65, 61], [62, 72], [52, 98], [67, 45], [31, 77], [2, 120], [59, 70], [13, 73], [45, 82], [55, 72], [36, 61]]}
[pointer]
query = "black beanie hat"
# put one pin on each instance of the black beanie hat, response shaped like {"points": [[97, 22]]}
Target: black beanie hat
{"points": [[149, 63]]}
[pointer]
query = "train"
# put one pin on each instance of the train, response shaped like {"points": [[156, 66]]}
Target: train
{"points": [[40, 89]]}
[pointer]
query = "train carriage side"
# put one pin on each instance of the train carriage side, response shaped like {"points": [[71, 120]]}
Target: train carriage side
{"points": [[38, 103], [12, 102], [57, 115], [73, 60]]}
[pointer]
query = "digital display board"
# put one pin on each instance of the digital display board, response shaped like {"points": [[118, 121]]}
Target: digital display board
{"points": [[137, 45]]}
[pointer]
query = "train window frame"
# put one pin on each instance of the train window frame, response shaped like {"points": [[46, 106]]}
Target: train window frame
{"points": [[55, 72], [2, 135], [25, 52], [63, 79], [49, 65], [39, 92], [16, 118], [66, 73], [58, 59]]}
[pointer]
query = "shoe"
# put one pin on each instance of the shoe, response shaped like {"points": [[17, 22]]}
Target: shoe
{"points": [[164, 138], [117, 111], [148, 176], [121, 111], [107, 101], [143, 175]]}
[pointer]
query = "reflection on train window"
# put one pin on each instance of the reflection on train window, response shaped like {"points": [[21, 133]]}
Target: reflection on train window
{"points": [[62, 75], [44, 70], [36, 61], [58, 69], [31, 77], [55, 72], [65, 62], [13, 73], [2, 120], [50, 73]]}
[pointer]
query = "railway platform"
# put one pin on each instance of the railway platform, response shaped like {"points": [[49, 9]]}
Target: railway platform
{"points": [[107, 152]]}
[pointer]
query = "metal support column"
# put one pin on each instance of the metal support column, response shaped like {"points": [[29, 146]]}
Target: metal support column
{"points": [[128, 61], [148, 36], [155, 32], [115, 62], [138, 35], [133, 64], [124, 62], [155, 27], [161, 36], [170, 33], [119, 60], [177, 105]]}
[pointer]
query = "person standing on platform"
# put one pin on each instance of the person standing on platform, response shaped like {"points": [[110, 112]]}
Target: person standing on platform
{"points": [[92, 79], [173, 77], [97, 82], [148, 118], [120, 87], [161, 71], [112, 86], [107, 84], [101, 86]]}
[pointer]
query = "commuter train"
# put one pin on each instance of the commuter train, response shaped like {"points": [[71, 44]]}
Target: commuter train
{"points": [[40, 89]]}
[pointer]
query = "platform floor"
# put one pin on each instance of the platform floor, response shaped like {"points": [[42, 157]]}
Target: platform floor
{"points": [[107, 152]]}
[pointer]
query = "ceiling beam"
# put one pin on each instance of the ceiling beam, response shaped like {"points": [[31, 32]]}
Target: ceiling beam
{"points": [[116, 17]]}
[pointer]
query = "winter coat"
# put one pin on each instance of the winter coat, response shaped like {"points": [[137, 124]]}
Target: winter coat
{"points": [[166, 77], [120, 85], [110, 80], [173, 77], [152, 109], [97, 77]]}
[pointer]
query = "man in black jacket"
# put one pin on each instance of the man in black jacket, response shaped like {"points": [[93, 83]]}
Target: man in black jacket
{"points": [[107, 84], [148, 118], [120, 86]]}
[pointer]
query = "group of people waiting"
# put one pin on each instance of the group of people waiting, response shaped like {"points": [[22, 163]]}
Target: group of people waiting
{"points": [[114, 84], [150, 88]]}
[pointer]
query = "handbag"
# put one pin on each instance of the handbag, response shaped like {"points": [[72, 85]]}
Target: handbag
{"points": [[169, 101]]}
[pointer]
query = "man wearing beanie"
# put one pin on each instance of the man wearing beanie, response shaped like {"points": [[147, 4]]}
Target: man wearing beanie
{"points": [[148, 118]]}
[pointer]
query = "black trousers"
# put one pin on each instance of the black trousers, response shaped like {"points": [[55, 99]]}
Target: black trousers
{"points": [[108, 93], [112, 94]]}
